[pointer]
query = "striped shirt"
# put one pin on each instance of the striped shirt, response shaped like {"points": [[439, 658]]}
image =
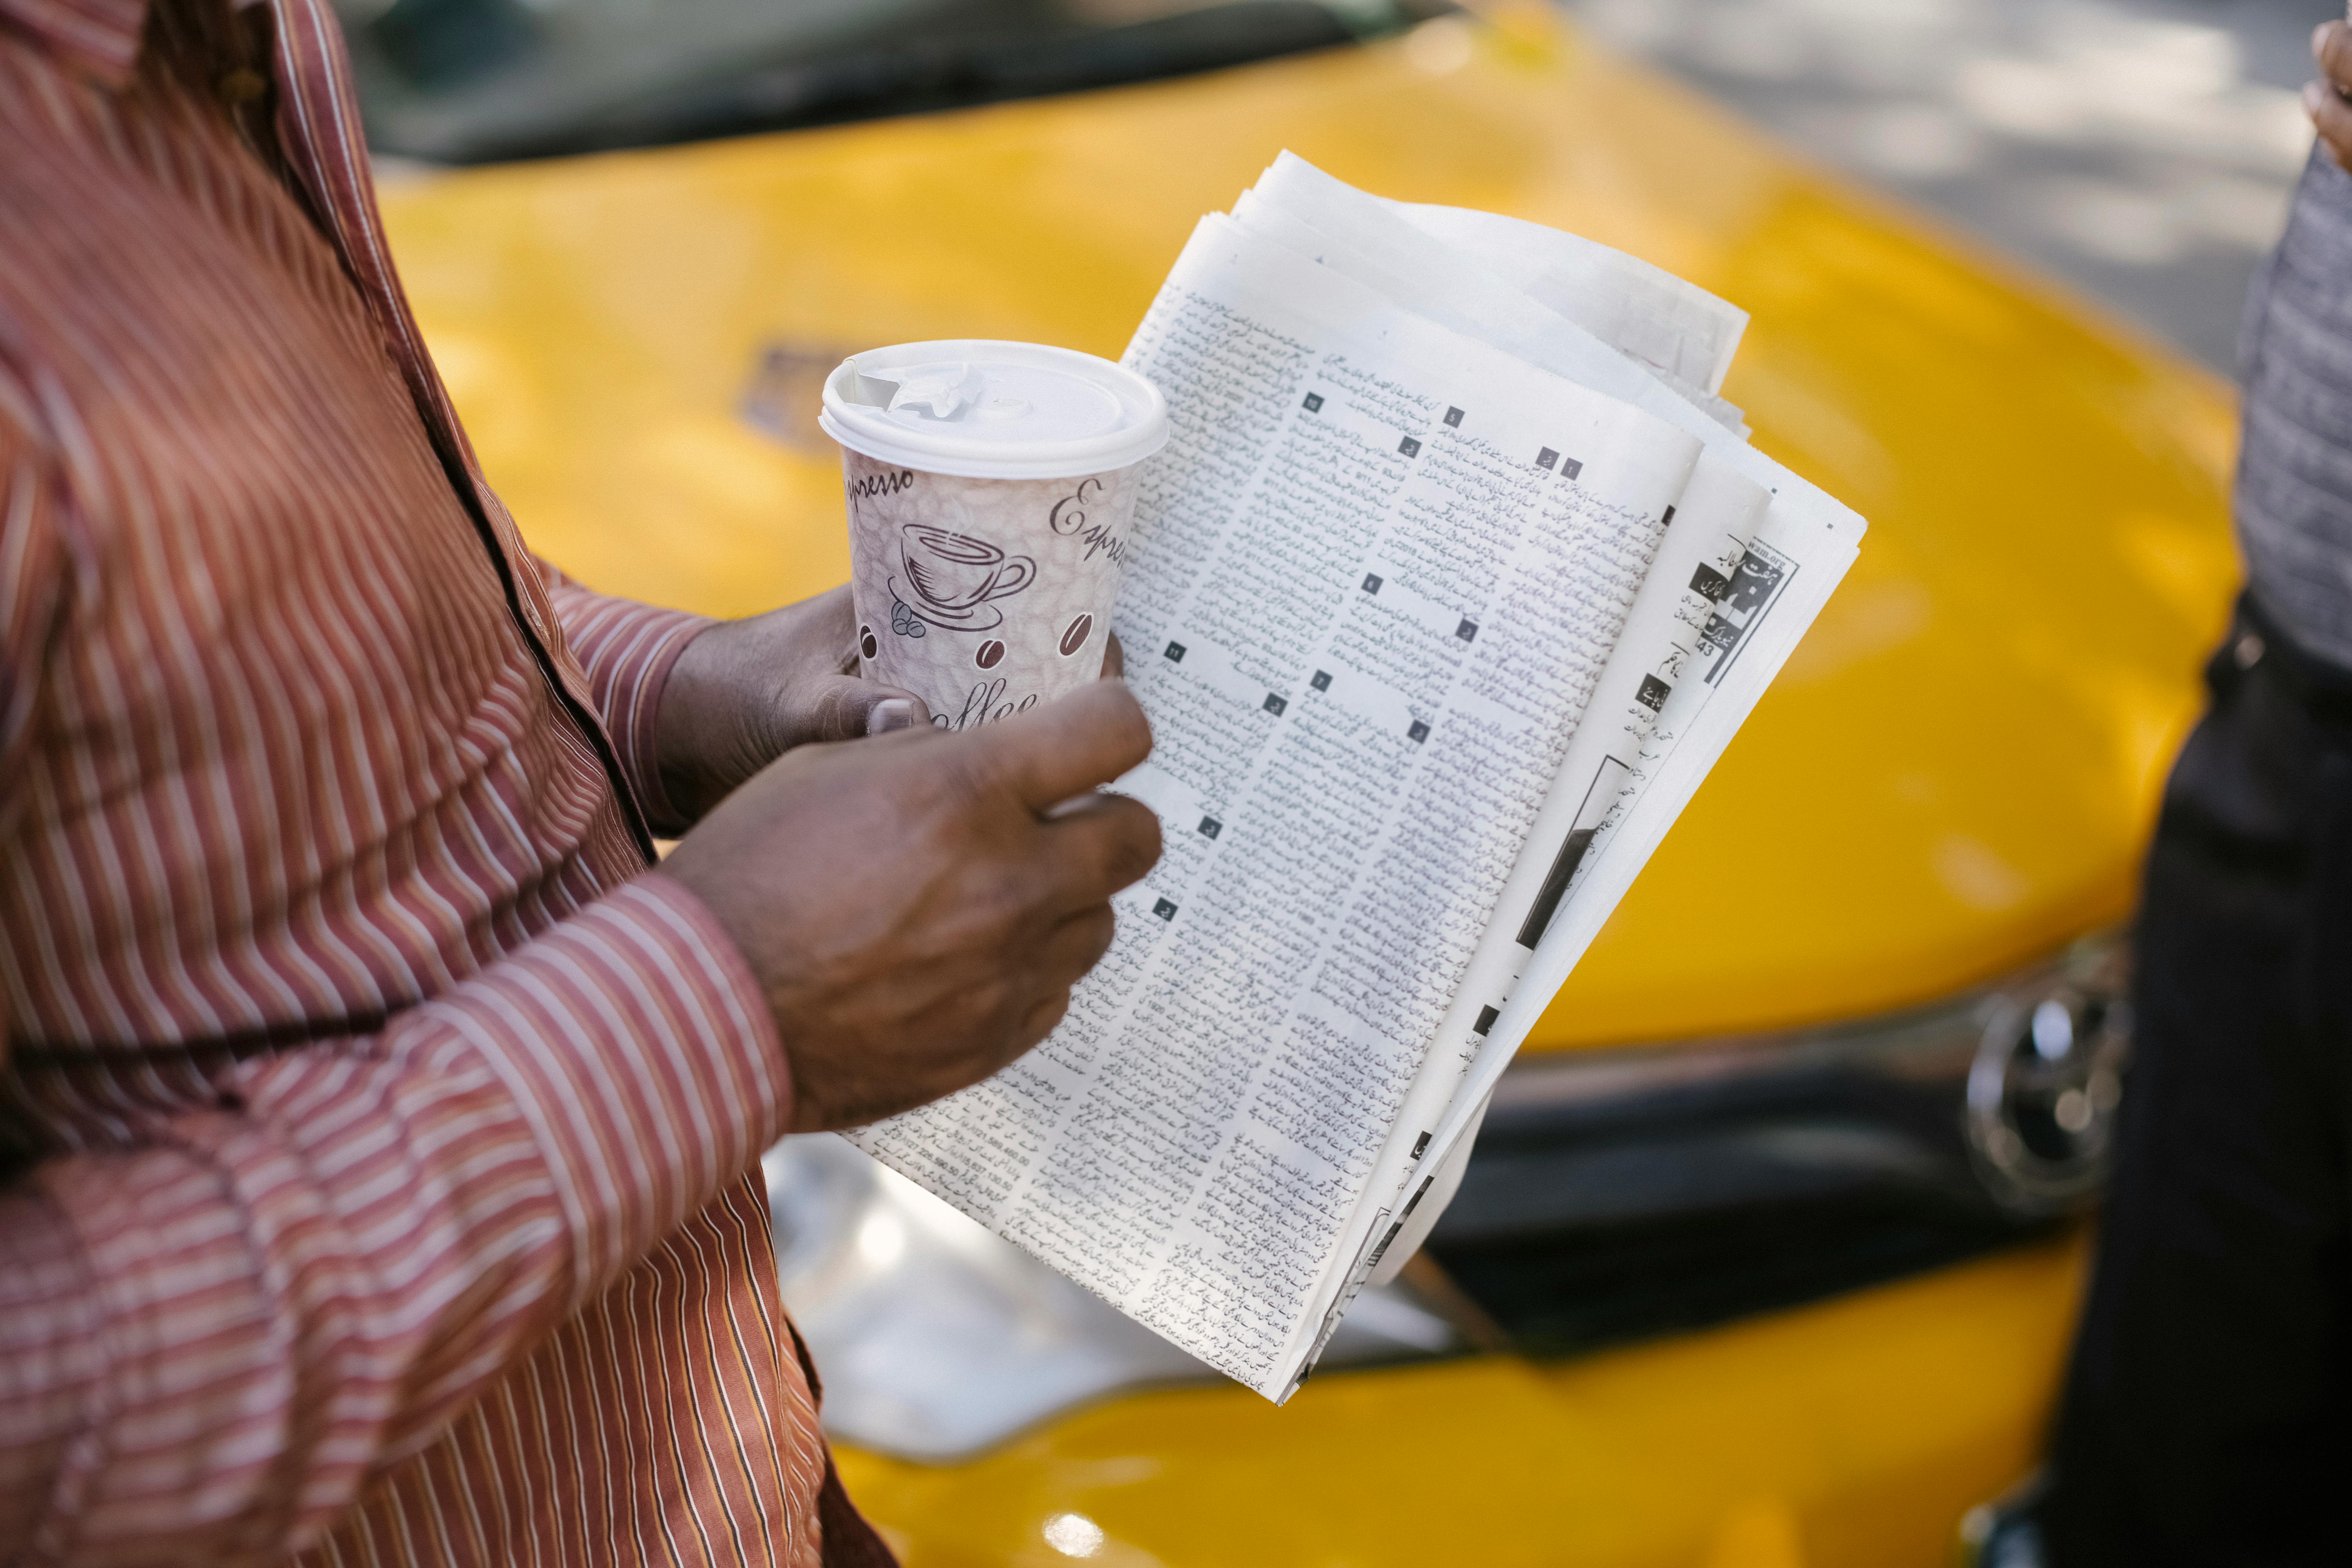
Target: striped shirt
{"points": [[375, 1124], [2294, 504]]}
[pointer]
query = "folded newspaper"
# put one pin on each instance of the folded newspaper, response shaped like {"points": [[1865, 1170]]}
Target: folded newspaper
{"points": [[1454, 579]]}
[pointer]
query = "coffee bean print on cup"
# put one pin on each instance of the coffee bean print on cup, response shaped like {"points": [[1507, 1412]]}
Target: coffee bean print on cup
{"points": [[1075, 636], [867, 644], [990, 653]]}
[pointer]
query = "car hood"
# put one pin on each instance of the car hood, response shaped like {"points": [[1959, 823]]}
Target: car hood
{"points": [[1955, 772]]}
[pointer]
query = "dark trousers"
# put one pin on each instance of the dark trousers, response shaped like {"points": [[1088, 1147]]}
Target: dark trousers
{"points": [[2207, 1416]]}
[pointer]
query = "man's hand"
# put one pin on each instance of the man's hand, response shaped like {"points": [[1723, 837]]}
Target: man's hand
{"points": [[918, 906], [2331, 114], [745, 693]]}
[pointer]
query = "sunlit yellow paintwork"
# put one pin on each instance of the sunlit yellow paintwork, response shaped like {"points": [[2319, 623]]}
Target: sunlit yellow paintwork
{"points": [[1955, 772], [1849, 1434]]}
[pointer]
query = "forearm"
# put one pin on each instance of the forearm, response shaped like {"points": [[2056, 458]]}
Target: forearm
{"points": [[208, 1343]]}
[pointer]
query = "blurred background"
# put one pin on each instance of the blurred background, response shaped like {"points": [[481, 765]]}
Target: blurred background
{"points": [[2143, 150]]}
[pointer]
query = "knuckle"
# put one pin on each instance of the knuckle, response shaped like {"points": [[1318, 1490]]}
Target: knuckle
{"points": [[966, 779], [1133, 731], [1134, 843], [829, 714], [1101, 930], [1049, 1016], [1014, 1005]]}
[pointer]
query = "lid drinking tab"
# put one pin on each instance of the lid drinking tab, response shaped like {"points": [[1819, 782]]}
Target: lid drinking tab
{"points": [[990, 409], [941, 391]]}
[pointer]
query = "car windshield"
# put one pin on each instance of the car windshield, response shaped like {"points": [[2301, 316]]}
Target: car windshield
{"points": [[478, 81]]}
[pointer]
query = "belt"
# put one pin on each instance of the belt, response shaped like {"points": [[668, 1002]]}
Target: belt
{"points": [[2322, 688]]}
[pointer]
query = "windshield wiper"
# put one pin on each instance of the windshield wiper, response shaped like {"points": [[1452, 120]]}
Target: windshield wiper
{"points": [[921, 75]]}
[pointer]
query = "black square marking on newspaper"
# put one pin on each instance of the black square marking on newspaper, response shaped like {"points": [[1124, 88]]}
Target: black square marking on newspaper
{"points": [[1453, 417], [1418, 733], [1752, 583], [1547, 458], [1668, 521], [1314, 404], [1164, 909], [1275, 705], [1709, 584], [1175, 653], [1409, 447], [1486, 1017], [1653, 694], [1371, 582], [1570, 467], [1419, 1144], [1467, 631], [1211, 828], [1322, 681]]}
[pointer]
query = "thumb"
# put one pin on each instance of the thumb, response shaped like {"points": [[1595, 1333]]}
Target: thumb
{"points": [[844, 707]]}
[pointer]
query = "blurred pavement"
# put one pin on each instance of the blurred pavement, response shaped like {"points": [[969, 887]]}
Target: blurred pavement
{"points": [[2141, 149]]}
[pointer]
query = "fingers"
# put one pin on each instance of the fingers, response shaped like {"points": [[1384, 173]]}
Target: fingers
{"points": [[1096, 845], [844, 707], [2332, 118], [838, 706], [2331, 47], [1065, 748], [897, 710], [1075, 946], [1025, 1012], [1042, 1022]]}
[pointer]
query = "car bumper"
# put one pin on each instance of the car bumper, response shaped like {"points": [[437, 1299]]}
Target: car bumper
{"points": [[1852, 1431]]}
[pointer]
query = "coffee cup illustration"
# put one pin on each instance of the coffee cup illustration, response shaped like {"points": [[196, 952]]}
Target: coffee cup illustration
{"points": [[951, 577]]}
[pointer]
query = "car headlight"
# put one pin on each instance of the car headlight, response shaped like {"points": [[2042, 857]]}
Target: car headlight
{"points": [[1620, 1193], [2045, 1086], [1613, 1194], [936, 1338]]}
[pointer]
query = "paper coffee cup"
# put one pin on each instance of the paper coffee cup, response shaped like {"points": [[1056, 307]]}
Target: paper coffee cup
{"points": [[991, 487]]}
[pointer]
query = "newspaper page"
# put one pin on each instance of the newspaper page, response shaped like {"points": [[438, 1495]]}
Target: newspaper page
{"points": [[1375, 580], [1477, 273], [1800, 555], [1685, 334]]}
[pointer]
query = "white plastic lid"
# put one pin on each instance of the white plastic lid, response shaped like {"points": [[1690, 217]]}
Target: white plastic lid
{"points": [[984, 409]]}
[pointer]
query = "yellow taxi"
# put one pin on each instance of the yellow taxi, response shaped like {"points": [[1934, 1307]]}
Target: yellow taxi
{"points": [[1770, 1250]]}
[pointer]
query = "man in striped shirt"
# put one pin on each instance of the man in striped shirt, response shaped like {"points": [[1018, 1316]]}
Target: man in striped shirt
{"points": [[376, 1125]]}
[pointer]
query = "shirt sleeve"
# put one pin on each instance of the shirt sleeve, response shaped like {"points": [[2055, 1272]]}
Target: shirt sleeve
{"points": [[32, 588], [215, 1331], [210, 1339], [627, 650]]}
